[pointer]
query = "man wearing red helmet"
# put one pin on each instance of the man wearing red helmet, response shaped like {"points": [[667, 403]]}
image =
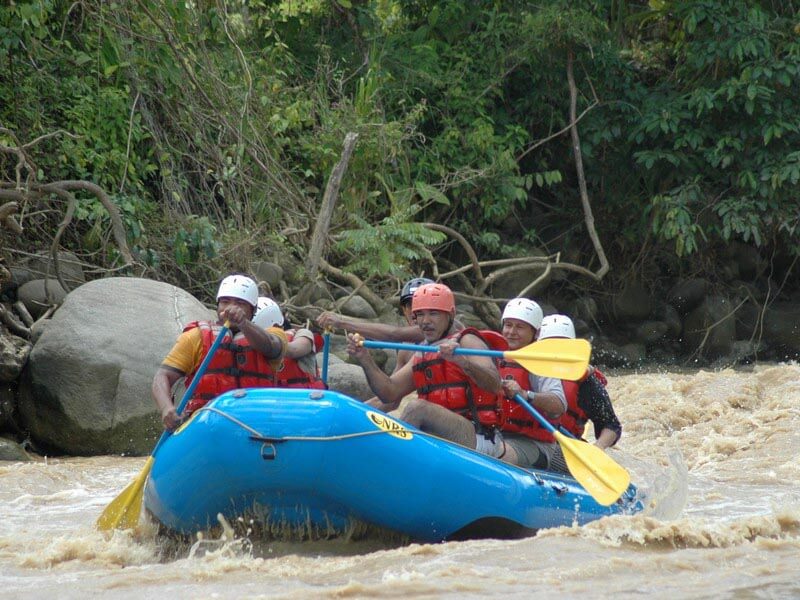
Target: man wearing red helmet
{"points": [[249, 356], [381, 331], [458, 395], [409, 333]]}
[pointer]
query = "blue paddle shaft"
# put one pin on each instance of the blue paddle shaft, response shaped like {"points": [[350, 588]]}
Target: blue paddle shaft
{"points": [[195, 380], [416, 348], [326, 350], [534, 413], [537, 415]]}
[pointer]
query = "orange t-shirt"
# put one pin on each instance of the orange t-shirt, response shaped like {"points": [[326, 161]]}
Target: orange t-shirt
{"points": [[187, 353]]}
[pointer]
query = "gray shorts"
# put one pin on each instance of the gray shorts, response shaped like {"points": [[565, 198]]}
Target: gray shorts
{"points": [[532, 453]]}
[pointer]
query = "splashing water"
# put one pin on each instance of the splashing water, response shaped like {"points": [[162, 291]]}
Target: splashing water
{"points": [[713, 455]]}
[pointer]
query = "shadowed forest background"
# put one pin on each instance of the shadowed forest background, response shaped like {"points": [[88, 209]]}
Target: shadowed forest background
{"points": [[564, 150]]}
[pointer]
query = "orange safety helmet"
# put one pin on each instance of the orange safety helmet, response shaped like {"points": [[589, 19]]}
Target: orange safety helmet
{"points": [[434, 296]]}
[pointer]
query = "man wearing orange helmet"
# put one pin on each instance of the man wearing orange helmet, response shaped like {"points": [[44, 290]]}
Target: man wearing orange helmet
{"points": [[408, 333], [249, 356], [457, 395], [381, 331]]}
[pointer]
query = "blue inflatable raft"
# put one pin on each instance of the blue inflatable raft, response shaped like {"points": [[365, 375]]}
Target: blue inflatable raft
{"points": [[321, 464]]}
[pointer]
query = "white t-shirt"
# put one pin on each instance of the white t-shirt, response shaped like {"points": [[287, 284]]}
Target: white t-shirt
{"points": [[548, 384]]}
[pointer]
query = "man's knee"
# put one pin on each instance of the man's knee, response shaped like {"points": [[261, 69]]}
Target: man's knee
{"points": [[412, 411]]}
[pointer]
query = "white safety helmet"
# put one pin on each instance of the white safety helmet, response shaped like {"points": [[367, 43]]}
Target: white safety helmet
{"points": [[524, 310], [239, 286], [268, 313], [557, 326]]}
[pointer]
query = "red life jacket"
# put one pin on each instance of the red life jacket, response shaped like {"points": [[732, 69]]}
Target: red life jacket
{"points": [[234, 365], [516, 419], [575, 418], [445, 383], [292, 376], [494, 340]]}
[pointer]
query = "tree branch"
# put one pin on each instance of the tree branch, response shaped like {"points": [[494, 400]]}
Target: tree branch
{"points": [[117, 227], [14, 326], [324, 217], [576, 150], [355, 282], [7, 212], [476, 265]]}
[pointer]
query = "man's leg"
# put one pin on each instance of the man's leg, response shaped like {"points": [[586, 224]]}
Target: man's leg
{"points": [[439, 421]]}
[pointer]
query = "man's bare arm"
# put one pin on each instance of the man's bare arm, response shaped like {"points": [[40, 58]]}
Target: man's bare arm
{"points": [[161, 391], [374, 331]]}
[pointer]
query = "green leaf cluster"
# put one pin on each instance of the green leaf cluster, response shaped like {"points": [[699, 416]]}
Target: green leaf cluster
{"points": [[215, 125], [719, 140]]}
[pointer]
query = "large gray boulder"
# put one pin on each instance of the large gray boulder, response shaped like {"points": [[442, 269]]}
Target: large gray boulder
{"points": [[12, 452], [632, 304], [350, 380], [270, 273], [687, 294], [356, 306], [69, 266], [86, 387]]}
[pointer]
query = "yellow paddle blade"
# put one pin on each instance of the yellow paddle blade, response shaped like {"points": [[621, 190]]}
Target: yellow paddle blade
{"points": [[595, 470], [554, 357], [123, 511]]}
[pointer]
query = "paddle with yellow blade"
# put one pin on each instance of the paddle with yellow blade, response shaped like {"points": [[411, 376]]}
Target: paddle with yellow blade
{"points": [[595, 470], [123, 511], [553, 357]]}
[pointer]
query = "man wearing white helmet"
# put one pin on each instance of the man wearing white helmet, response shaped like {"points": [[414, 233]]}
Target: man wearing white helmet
{"points": [[268, 313], [587, 399], [299, 369], [557, 326], [249, 356], [528, 444]]}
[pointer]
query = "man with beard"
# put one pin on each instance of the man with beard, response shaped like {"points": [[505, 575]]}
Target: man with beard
{"points": [[457, 395], [408, 333]]}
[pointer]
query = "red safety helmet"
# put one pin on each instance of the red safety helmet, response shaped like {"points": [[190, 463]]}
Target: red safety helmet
{"points": [[434, 296]]}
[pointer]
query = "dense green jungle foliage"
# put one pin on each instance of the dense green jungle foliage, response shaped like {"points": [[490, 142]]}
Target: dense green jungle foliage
{"points": [[213, 126]]}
